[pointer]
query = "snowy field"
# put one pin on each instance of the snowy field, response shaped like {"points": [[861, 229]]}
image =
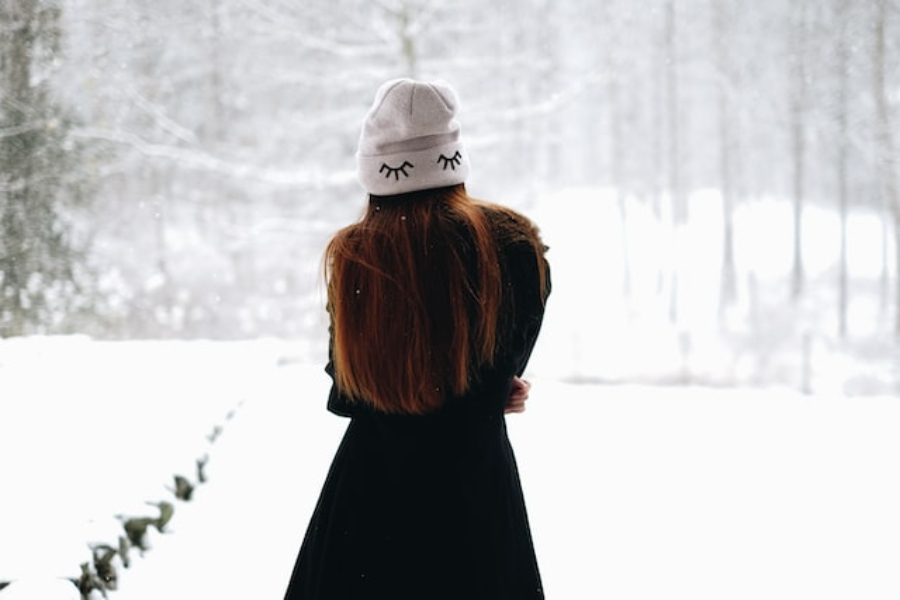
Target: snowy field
{"points": [[633, 492]]}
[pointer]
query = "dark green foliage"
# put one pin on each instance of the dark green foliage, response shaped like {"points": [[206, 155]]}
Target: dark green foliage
{"points": [[184, 489]]}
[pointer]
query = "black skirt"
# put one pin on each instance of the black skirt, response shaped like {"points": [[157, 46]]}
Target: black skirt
{"points": [[421, 508]]}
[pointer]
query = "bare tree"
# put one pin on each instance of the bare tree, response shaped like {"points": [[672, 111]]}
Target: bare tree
{"points": [[841, 68], [724, 87], [797, 102], [674, 127], [886, 150], [616, 112]]}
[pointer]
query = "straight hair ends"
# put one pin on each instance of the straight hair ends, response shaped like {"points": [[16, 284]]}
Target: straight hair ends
{"points": [[412, 322]]}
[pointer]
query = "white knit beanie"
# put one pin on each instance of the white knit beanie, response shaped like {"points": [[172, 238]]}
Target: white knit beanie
{"points": [[410, 139]]}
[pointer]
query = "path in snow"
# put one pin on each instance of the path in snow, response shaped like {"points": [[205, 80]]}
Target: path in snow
{"points": [[239, 536], [93, 430]]}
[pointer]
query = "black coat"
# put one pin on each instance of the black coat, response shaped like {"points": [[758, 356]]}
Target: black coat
{"points": [[431, 507]]}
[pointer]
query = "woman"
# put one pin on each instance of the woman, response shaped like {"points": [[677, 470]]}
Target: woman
{"points": [[436, 301]]}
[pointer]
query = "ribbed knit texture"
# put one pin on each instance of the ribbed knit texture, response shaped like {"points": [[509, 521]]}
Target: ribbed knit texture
{"points": [[410, 139]]}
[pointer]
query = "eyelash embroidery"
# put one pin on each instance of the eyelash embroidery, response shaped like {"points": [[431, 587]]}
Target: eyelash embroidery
{"points": [[395, 171], [451, 162]]}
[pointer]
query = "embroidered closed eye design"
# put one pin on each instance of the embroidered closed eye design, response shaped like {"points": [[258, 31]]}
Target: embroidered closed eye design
{"points": [[395, 171], [451, 162]]}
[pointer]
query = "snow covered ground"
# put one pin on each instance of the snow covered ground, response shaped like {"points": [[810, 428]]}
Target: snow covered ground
{"points": [[633, 492]]}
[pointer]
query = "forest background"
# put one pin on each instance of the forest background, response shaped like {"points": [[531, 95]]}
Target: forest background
{"points": [[173, 170]]}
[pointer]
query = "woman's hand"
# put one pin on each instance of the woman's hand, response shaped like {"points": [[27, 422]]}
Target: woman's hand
{"points": [[517, 396]]}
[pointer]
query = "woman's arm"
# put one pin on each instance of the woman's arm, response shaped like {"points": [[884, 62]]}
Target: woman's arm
{"points": [[338, 403]]}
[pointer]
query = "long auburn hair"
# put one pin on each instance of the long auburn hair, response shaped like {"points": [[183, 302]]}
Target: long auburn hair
{"points": [[412, 320]]}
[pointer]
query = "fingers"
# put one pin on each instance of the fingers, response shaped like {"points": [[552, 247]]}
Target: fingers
{"points": [[515, 406], [520, 385], [518, 395]]}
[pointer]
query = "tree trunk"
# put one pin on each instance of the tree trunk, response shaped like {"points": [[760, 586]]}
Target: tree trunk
{"points": [[617, 146], [36, 258], [215, 119], [885, 142], [676, 192], [842, 149], [405, 22], [656, 175], [728, 277], [797, 102], [16, 93]]}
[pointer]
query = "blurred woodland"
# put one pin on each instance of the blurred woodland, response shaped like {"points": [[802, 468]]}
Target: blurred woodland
{"points": [[172, 169]]}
